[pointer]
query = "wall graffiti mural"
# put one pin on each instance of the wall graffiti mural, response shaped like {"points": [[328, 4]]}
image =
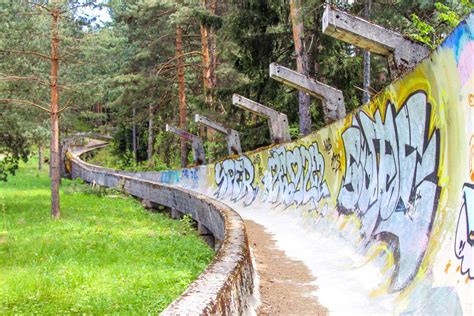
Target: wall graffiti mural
{"points": [[386, 179], [391, 181], [295, 176], [235, 179], [464, 241]]}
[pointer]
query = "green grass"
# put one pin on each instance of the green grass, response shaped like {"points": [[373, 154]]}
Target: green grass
{"points": [[105, 255], [104, 157]]}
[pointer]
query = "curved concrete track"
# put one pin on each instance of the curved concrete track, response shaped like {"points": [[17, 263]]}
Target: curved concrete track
{"points": [[227, 284], [378, 206]]}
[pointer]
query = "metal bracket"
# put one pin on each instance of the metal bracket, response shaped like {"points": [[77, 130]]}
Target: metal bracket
{"points": [[232, 136], [199, 155], [277, 122], [402, 52], [332, 98]]}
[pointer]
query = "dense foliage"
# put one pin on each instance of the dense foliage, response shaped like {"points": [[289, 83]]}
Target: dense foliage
{"points": [[121, 76]]}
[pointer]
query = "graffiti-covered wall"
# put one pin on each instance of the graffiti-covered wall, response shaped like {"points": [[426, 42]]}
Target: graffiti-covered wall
{"points": [[399, 172]]}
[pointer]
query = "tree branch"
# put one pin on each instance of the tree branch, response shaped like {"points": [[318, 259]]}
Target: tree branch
{"points": [[176, 57], [26, 53], [68, 103], [31, 78], [39, 5], [25, 102], [18, 78], [90, 3]]}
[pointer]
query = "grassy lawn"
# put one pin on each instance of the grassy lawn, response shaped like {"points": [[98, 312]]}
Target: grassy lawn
{"points": [[105, 255]]}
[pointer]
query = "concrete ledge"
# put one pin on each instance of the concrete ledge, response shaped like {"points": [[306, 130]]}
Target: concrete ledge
{"points": [[227, 285], [403, 53]]}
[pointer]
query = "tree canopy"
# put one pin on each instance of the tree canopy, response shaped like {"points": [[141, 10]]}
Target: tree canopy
{"points": [[122, 77]]}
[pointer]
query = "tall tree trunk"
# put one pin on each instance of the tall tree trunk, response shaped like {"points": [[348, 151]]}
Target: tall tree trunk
{"points": [[212, 51], [134, 135], [40, 157], [181, 93], [366, 97], [151, 137], [209, 65], [54, 150], [98, 110], [209, 55], [301, 65], [205, 63], [205, 72]]}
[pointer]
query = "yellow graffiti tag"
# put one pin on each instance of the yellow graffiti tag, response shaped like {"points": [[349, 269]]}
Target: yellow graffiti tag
{"points": [[470, 99]]}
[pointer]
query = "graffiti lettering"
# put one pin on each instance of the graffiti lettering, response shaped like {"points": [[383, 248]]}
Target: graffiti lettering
{"points": [[464, 242], [336, 162], [295, 176], [391, 180], [327, 145], [235, 180]]}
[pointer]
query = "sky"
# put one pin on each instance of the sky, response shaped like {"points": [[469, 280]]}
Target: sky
{"points": [[101, 14]]}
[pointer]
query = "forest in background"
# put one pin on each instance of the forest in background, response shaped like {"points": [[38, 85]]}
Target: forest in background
{"points": [[159, 62]]}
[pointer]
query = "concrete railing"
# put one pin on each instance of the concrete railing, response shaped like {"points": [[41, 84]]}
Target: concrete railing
{"points": [[227, 285]]}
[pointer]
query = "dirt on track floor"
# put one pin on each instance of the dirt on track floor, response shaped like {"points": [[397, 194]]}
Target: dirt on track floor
{"points": [[285, 284]]}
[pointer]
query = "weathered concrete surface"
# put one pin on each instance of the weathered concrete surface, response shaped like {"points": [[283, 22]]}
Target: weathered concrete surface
{"points": [[378, 205], [402, 52], [332, 98], [226, 286], [232, 136], [277, 122], [199, 155], [285, 285]]}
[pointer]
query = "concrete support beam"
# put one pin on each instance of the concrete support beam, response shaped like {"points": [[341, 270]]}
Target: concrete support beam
{"points": [[199, 155], [402, 52], [206, 234], [332, 98], [277, 122], [232, 136], [175, 214]]}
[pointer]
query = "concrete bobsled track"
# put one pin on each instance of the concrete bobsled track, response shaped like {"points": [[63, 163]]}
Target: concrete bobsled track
{"points": [[226, 286], [379, 205]]}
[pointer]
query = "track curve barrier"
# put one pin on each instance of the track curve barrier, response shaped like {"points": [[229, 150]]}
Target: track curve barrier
{"points": [[395, 178], [226, 286]]}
